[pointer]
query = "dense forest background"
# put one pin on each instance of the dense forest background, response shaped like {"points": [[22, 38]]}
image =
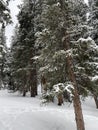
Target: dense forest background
{"points": [[55, 44]]}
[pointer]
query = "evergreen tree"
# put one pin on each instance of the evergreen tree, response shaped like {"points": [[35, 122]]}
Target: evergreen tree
{"points": [[23, 47], [5, 17], [93, 23], [93, 19], [13, 61], [62, 25], [2, 54]]}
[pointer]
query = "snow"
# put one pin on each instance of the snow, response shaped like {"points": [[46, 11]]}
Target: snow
{"points": [[90, 42], [58, 4], [19, 113], [95, 78], [86, 1], [44, 68], [62, 87], [85, 40]]}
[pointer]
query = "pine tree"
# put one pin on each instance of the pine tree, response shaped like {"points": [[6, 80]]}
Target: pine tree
{"points": [[24, 49], [93, 19], [5, 17], [87, 67], [62, 25], [2, 54], [14, 62], [93, 23]]}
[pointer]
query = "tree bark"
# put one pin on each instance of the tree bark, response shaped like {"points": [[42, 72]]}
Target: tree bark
{"points": [[76, 98], [43, 84], [96, 100], [24, 93], [33, 83], [72, 77], [32, 92], [60, 99]]}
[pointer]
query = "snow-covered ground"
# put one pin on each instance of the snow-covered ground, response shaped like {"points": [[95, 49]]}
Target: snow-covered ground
{"points": [[19, 113]]}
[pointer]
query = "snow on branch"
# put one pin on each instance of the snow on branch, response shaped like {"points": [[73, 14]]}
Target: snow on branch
{"points": [[90, 43], [61, 87], [44, 68], [63, 53], [95, 78], [69, 52]]}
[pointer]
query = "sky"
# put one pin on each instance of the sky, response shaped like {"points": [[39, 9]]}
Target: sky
{"points": [[86, 1], [14, 11]]}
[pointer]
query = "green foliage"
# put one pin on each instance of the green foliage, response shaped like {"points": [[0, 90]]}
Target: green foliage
{"points": [[93, 19], [86, 67], [5, 17], [23, 69], [56, 22]]}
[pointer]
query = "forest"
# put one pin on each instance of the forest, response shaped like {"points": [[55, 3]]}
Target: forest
{"points": [[54, 46]]}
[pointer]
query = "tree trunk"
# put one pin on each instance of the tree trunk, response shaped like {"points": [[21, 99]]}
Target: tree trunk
{"points": [[33, 82], [24, 93], [60, 99], [43, 84], [72, 77], [32, 91], [76, 98], [96, 100]]}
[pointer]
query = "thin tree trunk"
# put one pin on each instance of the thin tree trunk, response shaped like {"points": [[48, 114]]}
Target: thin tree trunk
{"points": [[33, 73], [43, 84], [96, 100], [32, 91], [33, 83], [24, 93], [60, 99], [76, 98]]}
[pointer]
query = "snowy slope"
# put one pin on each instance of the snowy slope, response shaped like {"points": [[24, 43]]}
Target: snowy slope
{"points": [[19, 113]]}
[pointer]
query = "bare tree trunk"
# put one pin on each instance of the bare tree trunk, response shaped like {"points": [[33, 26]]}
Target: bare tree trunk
{"points": [[60, 99], [24, 91], [33, 83], [24, 84], [96, 100], [76, 98], [43, 84], [32, 91]]}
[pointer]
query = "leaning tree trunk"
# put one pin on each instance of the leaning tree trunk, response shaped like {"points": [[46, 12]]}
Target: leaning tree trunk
{"points": [[96, 100], [66, 42], [76, 98]]}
